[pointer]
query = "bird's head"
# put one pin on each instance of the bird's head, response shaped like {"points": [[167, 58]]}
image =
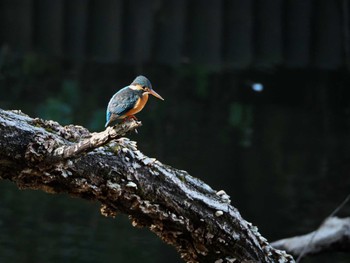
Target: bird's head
{"points": [[142, 83]]}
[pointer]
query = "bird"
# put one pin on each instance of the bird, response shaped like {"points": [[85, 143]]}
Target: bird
{"points": [[130, 100]]}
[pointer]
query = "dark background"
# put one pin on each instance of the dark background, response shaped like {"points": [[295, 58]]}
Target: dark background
{"points": [[282, 152]]}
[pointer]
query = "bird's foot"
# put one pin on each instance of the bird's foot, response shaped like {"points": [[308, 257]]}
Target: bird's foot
{"points": [[133, 117]]}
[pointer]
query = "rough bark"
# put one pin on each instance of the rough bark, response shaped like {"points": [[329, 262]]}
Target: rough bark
{"points": [[182, 210], [333, 235]]}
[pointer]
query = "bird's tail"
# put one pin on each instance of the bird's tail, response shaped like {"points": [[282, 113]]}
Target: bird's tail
{"points": [[111, 117]]}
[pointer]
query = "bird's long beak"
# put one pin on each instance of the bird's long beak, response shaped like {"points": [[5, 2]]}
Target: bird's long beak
{"points": [[155, 94]]}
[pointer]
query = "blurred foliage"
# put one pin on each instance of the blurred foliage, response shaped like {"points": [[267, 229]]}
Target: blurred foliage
{"points": [[40, 88], [70, 92], [97, 117], [62, 106], [34, 65], [199, 75], [241, 117], [55, 109]]}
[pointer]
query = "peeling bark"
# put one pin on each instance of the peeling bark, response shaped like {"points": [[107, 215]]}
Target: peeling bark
{"points": [[333, 235], [182, 210]]}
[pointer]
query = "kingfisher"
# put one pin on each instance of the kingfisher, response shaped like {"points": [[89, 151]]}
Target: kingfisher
{"points": [[130, 100]]}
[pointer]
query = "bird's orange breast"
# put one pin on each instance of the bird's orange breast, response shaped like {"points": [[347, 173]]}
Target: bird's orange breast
{"points": [[141, 102]]}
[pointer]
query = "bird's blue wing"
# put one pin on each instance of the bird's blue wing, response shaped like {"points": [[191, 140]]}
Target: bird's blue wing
{"points": [[121, 102]]}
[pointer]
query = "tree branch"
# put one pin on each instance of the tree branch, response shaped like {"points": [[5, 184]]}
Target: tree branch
{"points": [[333, 235], [182, 210], [95, 140]]}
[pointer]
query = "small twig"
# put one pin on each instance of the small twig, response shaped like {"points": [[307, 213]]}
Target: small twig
{"points": [[96, 140]]}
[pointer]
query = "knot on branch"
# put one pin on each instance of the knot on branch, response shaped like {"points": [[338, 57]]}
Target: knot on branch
{"points": [[51, 137], [42, 146], [72, 133]]}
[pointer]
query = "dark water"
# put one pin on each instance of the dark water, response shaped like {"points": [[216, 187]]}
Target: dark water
{"points": [[37, 227], [281, 153]]}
